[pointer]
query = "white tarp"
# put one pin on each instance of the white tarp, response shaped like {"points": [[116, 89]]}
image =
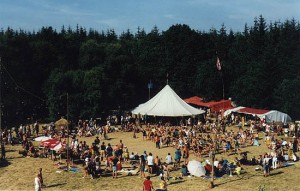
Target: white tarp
{"points": [[57, 147], [195, 168], [42, 138], [166, 103], [276, 116], [229, 111]]}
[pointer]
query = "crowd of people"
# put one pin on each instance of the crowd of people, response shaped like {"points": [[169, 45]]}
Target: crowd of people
{"points": [[200, 139]]}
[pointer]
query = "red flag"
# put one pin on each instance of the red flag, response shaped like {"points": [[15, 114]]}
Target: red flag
{"points": [[218, 64]]}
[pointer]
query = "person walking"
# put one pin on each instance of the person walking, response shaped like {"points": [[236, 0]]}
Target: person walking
{"points": [[147, 184], [266, 165], [3, 151], [41, 177], [142, 166], [37, 183], [177, 157]]}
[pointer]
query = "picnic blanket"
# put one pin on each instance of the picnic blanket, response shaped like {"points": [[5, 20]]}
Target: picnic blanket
{"points": [[129, 172], [71, 168]]}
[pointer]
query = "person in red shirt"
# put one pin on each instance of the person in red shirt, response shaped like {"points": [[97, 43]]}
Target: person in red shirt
{"points": [[147, 185]]}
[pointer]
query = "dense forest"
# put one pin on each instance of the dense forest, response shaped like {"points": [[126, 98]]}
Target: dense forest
{"points": [[47, 72]]}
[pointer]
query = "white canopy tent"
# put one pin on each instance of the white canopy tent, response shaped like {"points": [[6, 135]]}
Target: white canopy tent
{"points": [[276, 116], [166, 103], [268, 115]]}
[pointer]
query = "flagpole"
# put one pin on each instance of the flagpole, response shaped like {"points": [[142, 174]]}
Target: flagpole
{"points": [[223, 85], [149, 87], [219, 67], [167, 78]]}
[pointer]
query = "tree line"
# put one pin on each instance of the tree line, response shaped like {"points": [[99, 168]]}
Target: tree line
{"points": [[102, 71]]}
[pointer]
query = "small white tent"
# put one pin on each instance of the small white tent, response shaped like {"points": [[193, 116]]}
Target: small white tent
{"points": [[195, 168], [268, 115], [166, 103]]}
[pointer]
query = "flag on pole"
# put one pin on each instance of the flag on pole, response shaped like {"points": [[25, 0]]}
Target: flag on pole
{"points": [[218, 64]]}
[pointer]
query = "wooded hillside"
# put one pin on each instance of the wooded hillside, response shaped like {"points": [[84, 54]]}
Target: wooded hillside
{"points": [[102, 71]]}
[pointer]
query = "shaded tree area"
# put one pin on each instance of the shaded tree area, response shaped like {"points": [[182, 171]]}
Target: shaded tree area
{"points": [[102, 71]]}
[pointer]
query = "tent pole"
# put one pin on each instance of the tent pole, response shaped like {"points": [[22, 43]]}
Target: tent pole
{"points": [[212, 152]]}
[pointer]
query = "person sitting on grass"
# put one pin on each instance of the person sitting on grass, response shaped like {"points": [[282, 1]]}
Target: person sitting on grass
{"points": [[169, 159], [162, 185], [238, 169], [131, 157], [183, 170]]}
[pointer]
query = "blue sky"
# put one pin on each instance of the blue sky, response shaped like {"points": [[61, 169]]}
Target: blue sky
{"points": [[121, 15]]}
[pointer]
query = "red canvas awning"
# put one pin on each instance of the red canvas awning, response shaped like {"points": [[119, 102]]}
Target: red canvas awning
{"points": [[253, 111], [221, 105], [212, 105], [194, 100]]}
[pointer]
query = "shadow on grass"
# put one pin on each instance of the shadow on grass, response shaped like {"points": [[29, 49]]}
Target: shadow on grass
{"points": [[108, 139], [177, 182], [276, 173], [54, 185], [4, 163], [244, 175], [18, 157], [10, 150]]}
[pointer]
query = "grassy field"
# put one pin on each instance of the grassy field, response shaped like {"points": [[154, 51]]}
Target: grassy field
{"points": [[18, 172]]}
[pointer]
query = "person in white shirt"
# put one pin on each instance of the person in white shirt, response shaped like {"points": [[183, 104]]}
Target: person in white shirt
{"points": [[37, 183], [150, 162], [216, 163], [131, 157], [169, 159], [76, 143], [274, 161], [284, 143]]}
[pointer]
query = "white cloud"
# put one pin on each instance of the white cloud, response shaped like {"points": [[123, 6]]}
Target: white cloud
{"points": [[109, 22], [170, 16]]}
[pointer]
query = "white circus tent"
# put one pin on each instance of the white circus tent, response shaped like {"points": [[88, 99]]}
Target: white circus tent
{"points": [[166, 103]]}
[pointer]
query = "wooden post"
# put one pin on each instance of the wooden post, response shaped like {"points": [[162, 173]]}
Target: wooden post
{"points": [[212, 153], [68, 140]]}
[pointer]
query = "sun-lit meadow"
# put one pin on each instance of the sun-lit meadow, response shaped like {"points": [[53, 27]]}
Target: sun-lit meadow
{"points": [[19, 172]]}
